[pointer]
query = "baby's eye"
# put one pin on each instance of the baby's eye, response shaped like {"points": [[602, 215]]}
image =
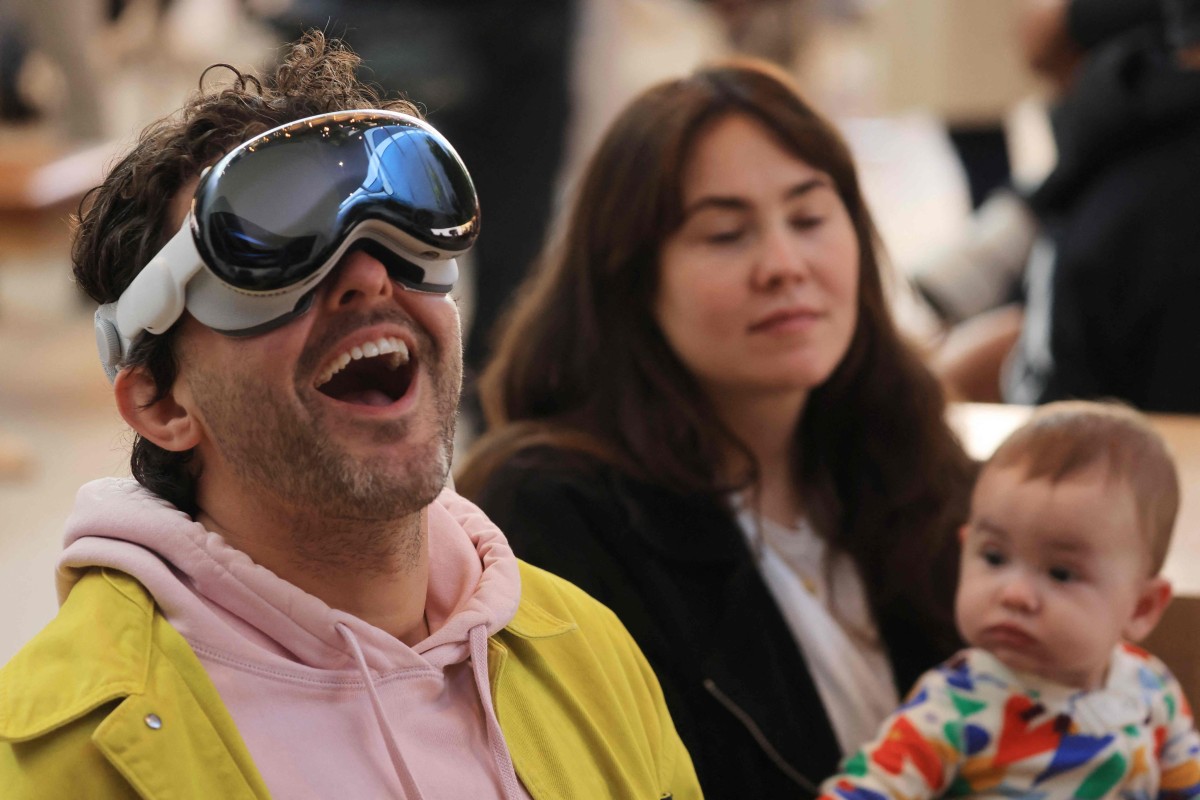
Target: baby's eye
{"points": [[1062, 574], [994, 558]]}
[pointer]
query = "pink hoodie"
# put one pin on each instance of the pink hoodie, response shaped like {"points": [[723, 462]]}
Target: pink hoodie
{"points": [[328, 705]]}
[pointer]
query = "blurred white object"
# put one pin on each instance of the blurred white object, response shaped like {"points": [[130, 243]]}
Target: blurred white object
{"points": [[979, 270], [913, 182]]}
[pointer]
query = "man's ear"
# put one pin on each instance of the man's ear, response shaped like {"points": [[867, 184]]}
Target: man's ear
{"points": [[1152, 601], [168, 423]]}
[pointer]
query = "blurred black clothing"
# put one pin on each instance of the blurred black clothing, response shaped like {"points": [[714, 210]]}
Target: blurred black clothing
{"points": [[1091, 22], [1113, 297]]}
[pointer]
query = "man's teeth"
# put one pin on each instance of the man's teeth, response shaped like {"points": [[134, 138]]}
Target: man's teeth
{"points": [[395, 350]]}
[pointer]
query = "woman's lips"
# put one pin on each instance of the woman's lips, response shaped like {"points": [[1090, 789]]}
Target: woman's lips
{"points": [[796, 319]]}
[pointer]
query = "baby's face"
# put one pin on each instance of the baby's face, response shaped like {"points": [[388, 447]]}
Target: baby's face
{"points": [[1053, 575]]}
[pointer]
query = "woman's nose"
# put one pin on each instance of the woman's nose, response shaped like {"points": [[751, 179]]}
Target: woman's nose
{"points": [[781, 260], [358, 277]]}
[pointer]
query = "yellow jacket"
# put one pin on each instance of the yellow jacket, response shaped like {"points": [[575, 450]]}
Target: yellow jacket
{"points": [[92, 706]]}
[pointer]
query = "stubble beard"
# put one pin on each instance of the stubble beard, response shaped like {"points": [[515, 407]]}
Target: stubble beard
{"points": [[344, 510]]}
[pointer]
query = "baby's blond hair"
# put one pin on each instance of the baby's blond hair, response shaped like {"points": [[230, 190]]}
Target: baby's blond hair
{"points": [[1066, 438]]}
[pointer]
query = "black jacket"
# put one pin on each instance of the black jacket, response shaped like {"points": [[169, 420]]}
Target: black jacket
{"points": [[1112, 305], [676, 570]]}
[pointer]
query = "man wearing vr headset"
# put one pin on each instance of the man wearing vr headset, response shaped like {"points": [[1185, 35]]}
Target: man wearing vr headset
{"points": [[286, 602]]}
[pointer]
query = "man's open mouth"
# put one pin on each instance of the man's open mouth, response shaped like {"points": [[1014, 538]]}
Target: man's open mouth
{"points": [[375, 373]]}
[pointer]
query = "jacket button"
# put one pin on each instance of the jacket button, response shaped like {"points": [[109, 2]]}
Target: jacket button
{"points": [[153, 721]]}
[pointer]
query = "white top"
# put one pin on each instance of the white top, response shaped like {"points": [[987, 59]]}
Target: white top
{"points": [[825, 607]]}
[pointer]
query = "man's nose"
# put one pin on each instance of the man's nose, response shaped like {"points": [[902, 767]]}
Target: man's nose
{"points": [[358, 278]]}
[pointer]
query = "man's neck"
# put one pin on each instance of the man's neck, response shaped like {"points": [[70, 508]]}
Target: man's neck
{"points": [[377, 571]]}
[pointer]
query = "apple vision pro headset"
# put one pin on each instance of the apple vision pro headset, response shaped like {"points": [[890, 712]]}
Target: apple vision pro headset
{"points": [[271, 219]]}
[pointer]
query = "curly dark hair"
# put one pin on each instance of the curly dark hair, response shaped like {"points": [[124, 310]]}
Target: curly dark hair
{"points": [[124, 221]]}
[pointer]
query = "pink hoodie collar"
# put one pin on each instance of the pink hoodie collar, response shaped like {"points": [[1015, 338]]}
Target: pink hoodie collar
{"points": [[474, 578]]}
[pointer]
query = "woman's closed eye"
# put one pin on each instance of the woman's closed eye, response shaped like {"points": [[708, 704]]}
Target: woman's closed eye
{"points": [[725, 236], [806, 222]]}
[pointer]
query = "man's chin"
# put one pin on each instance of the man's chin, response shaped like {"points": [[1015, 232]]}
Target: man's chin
{"points": [[385, 488]]}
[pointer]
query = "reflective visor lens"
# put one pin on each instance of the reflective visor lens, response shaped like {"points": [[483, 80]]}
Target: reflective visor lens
{"points": [[274, 210]]}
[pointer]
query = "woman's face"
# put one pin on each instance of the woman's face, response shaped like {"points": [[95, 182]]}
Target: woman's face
{"points": [[758, 287]]}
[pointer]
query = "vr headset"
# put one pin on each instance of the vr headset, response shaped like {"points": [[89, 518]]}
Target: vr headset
{"points": [[271, 219]]}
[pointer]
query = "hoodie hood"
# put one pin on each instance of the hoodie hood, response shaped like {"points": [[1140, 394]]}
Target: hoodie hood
{"points": [[119, 524], [285, 662]]}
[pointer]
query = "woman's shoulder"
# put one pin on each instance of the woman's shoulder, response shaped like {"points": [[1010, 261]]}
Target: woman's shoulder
{"points": [[545, 495], [543, 471], [546, 461], [565, 512]]}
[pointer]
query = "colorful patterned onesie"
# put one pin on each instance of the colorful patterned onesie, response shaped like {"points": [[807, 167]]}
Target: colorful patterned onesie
{"points": [[973, 727]]}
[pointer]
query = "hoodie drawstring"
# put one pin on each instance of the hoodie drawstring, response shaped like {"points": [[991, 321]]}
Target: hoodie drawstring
{"points": [[504, 767], [407, 782], [477, 637]]}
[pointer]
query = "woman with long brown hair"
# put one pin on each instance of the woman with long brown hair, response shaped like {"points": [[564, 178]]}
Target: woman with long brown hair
{"points": [[702, 413]]}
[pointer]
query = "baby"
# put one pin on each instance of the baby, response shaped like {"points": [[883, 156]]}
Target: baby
{"points": [[1070, 523]]}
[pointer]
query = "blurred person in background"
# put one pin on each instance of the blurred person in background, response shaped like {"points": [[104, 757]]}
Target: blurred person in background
{"points": [[1113, 284], [701, 412], [64, 31], [1109, 108]]}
